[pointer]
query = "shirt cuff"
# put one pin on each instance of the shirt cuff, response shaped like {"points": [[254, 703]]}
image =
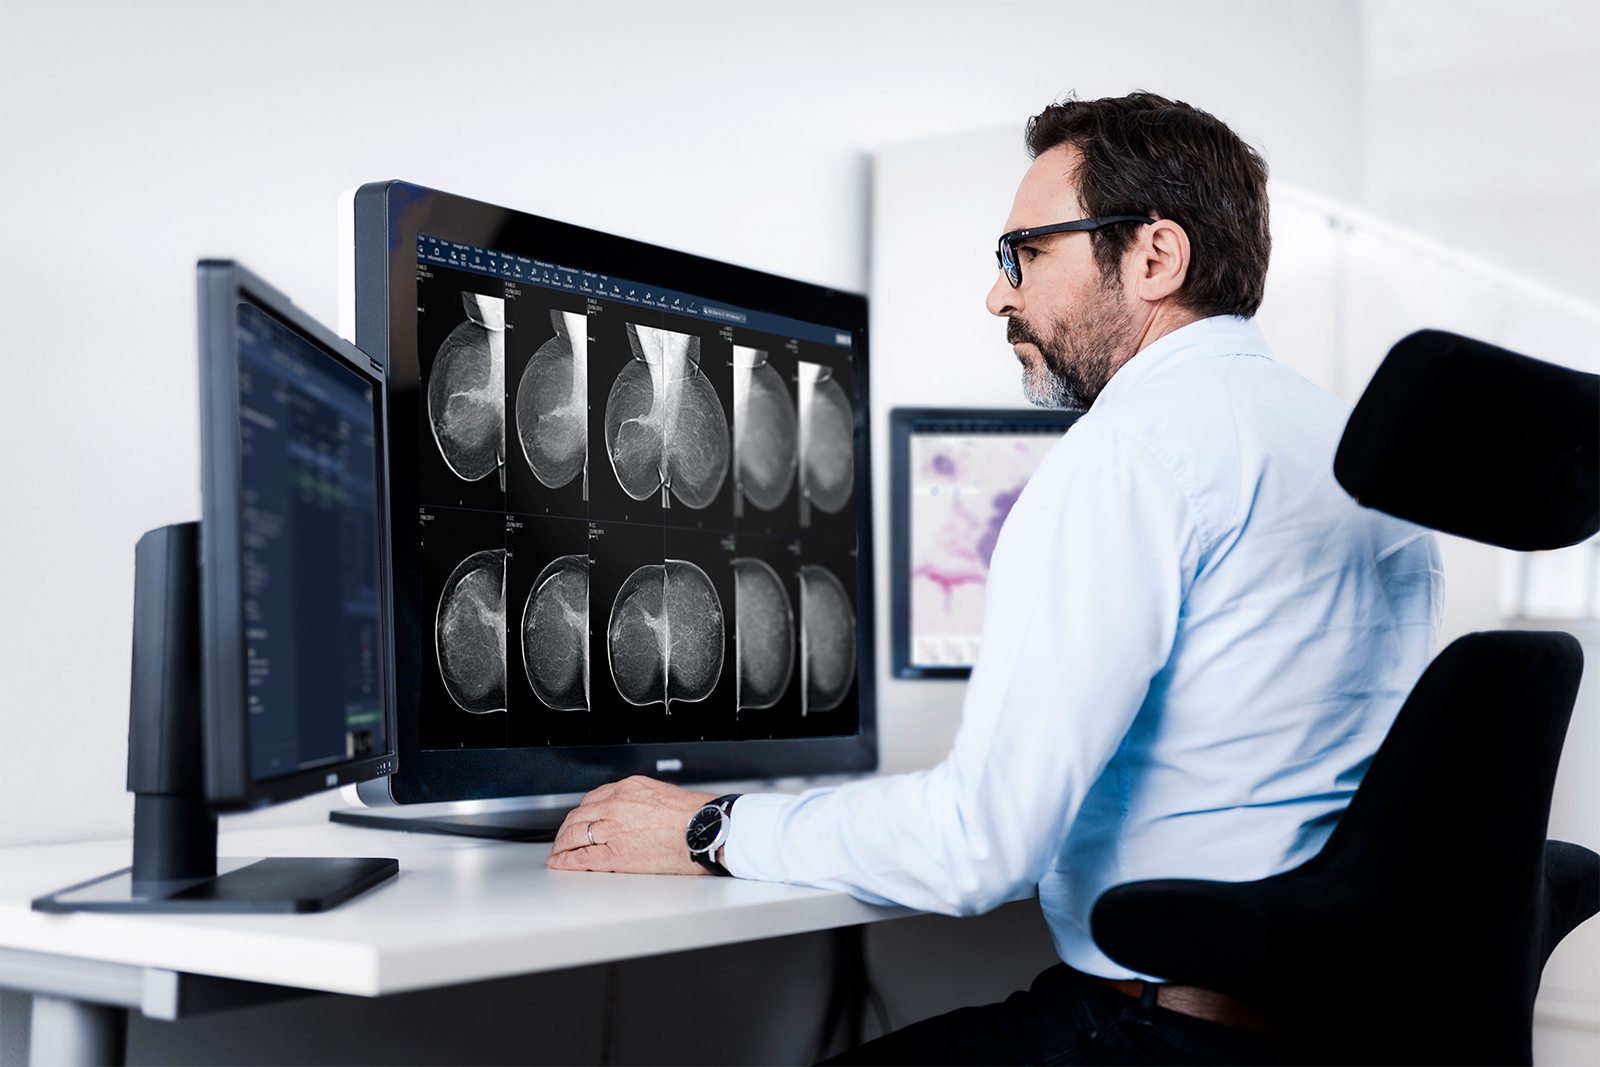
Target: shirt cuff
{"points": [[751, 850]]}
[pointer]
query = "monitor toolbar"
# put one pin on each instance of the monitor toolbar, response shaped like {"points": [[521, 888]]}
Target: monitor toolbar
{"points": [[530, 271]]}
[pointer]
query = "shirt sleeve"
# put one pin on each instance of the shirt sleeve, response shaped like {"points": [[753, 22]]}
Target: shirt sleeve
{"points": [[1082, 603]]}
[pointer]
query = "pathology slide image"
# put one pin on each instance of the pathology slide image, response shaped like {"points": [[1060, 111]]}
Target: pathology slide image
{"points": [[962, 489]]}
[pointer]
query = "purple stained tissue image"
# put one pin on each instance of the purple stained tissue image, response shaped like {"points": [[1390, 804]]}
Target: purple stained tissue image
{"points": [[1003, 503], [965, 488]]}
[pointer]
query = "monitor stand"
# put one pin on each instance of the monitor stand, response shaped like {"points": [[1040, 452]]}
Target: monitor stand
{"points": [[175, 866], [514, 824]]}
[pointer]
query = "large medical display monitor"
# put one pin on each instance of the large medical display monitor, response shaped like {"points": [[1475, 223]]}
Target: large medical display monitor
{"points": [[629, 489]]}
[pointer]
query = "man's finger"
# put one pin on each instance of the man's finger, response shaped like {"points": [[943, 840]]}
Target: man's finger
{"points": [[570, 860], [574, 832], [564, 861], [557, 843], [587, 858]]}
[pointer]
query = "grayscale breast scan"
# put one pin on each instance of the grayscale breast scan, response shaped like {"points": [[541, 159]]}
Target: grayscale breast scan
{"points": [[800, 533]]}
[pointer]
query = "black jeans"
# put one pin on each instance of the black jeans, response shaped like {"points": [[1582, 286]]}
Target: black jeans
{"points": [[1069, 1017]]}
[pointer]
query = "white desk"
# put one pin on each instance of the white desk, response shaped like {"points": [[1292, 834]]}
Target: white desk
{"points": [[461, 910]]}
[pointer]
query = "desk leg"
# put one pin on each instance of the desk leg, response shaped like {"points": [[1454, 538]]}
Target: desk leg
{"points": [[68, 1033]]}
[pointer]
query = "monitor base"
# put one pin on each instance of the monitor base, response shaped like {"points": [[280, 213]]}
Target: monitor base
{"points": [[175, 866], [243, 886], [520, 824]]}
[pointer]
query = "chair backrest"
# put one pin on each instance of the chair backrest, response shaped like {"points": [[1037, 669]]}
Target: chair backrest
{"points": [[1418, 933], [1473, 440]]}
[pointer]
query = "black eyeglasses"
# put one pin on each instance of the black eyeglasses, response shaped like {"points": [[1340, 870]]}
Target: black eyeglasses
{"points": [[1007, 252]]}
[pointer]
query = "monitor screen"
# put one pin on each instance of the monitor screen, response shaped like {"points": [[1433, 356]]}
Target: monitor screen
{"points": [[638, 480], [310, 522], [296, 667], [633, 510], [956, 476]]}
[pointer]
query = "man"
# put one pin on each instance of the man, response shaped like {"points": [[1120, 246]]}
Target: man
{"points": [[1195, 639]]}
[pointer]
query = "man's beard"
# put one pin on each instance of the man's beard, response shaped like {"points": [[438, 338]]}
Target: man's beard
{"points": [[1077, 356]]}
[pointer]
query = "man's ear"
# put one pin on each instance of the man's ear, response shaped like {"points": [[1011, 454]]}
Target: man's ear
{"points": [[1160, 261]]}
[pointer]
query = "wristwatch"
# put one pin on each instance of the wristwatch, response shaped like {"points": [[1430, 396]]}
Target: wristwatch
{"points": [[708, 831]]}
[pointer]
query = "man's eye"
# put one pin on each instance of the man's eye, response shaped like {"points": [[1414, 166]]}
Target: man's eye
{"points": [[1027, 252]]}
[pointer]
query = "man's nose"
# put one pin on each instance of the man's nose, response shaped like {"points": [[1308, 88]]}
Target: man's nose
{"points": [[1003, 300]]}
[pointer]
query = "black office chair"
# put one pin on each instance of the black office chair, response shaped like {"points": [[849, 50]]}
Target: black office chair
{"points": [[1419, 932]]}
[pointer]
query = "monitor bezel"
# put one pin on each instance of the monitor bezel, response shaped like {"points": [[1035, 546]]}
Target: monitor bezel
{"points": [[902, 424], [222, 285], [387, 219]]}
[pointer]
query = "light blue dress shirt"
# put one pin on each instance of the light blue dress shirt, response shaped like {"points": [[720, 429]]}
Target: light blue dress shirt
{"points": [[1194, 643]]}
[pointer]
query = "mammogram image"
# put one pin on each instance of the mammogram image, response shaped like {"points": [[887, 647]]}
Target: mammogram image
{"points": [[470, 632], [763, 634], [827, 640], [827, 450], [665, 637], [552, 406], [765, 432], [555, 634], [466, 391], [664, 423]]}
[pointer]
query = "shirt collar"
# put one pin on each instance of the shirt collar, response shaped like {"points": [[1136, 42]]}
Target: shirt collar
{"points": [[1220, 335]]}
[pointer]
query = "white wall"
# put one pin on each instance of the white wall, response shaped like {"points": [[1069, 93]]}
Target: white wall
{"points": [[1478, 128], [140, 137]]}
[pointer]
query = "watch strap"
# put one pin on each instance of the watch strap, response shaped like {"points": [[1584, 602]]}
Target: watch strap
{"points": [[704, 859]]}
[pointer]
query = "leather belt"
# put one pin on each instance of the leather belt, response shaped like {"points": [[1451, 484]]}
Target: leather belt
{"points": [[1205, 1004]]}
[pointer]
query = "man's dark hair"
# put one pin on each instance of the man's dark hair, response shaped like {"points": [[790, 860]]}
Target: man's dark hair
{"points": [[1146, 155]]}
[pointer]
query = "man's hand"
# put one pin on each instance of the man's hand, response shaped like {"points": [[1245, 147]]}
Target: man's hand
{"points": [[636, 825]]}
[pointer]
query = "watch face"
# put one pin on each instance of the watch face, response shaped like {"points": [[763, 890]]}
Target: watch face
{"points": [[704, 827]]}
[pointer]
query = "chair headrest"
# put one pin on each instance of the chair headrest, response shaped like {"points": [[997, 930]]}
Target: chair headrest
{"points": [[1477, 441]]}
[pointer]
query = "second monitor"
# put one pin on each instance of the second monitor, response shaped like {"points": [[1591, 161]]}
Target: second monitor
{"points": [[954, 474], [629, 487]]}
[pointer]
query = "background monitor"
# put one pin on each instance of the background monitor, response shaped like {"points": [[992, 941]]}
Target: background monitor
{"points": [[629, 486], [954, 474]]}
